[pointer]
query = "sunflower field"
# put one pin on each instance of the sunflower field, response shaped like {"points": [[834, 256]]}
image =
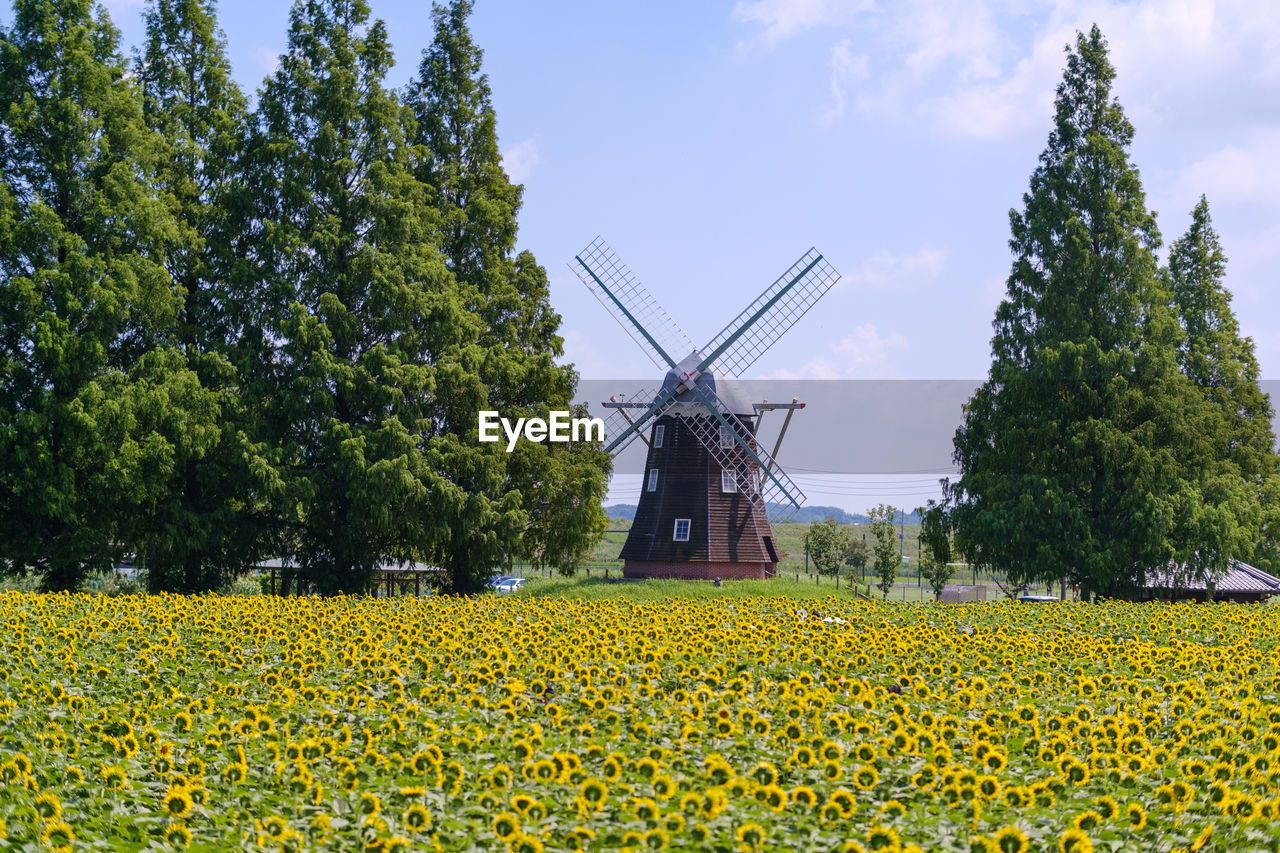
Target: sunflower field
{"points": [[507, 723]]}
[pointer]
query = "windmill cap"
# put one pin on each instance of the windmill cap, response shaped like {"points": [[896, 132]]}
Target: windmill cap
{"points": [[728, 389]]}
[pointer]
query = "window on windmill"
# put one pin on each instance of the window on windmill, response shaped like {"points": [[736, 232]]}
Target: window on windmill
{"points": [[726, 438], [728, 481], [653, 479], [658, 432], [682, 530]]}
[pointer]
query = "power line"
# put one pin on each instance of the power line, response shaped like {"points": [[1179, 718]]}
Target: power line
{"points": [[922, 471]]}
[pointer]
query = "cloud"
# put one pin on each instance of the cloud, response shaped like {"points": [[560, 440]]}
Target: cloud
{"points": [[844, 66], [1242, 173], [1262, 245], [268, 59], [887, 270], [987, 69], [866, 346], [520, 159], [1169, 55], [934, 33], [864, 353], [1020, 103], [592, 362], [780, 19], [1011, 103]]}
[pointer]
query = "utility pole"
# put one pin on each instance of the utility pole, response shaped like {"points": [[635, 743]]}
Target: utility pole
{"points": [[902, 533]]}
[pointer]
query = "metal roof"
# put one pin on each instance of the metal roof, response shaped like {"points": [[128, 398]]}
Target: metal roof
{"points": [[384, 566], [1240, 577]]}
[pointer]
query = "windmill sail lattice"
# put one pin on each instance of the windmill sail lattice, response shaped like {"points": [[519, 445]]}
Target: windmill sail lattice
{"points": [[759, 474], [630, 303], [619, 423], [761, 323]]}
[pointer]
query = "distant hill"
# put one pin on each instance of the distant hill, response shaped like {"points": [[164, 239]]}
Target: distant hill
{"points": [[808, 514], [804, 515]]}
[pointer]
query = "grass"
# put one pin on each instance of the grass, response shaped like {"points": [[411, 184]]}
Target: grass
{"points": [[788, 537], [597, 588], [607, 549], [806, 588], [792, 580]]}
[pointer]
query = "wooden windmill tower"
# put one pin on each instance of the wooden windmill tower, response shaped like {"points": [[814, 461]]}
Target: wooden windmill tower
{"points": [[707, 479]]}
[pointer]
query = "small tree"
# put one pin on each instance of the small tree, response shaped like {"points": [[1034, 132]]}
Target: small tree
{"points": [[935, 548], [858, 554], [885, 550], [827, 543]]}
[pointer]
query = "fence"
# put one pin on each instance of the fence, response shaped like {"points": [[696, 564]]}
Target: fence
{"points": [[908, 574]]}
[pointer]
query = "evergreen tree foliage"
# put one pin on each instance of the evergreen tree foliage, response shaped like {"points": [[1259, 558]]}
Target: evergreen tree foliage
{"points": [[97, 407], [359, 355], [561, 486], [562, 489], [1222, 364], [200, 114], [204, 526], [1087, 454]]}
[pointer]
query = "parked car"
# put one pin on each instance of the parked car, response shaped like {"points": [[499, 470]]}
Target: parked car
{"points": [[125, 567], [509, 585], [1038, 599]]}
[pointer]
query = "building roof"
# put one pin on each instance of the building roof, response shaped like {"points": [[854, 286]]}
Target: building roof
{"points": [[384, 566], [1240, 578]]}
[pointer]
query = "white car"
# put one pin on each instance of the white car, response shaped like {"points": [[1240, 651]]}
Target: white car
{"points": [[508, 585]]}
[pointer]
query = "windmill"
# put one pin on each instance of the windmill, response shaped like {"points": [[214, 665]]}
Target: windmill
{"points": [[707, 480]]}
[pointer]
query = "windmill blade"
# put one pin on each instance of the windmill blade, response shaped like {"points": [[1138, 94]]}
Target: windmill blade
{"points": [[626, 418], [758, 472], [761, 323], [631, 304], [624, 428]]}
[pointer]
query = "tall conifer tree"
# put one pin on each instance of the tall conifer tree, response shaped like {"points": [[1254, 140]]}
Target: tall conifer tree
{"points": [[1087, 454], [1222, 364], [561, 486], [358, 350], [96, 405], [201, 116], [207, 524]]}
